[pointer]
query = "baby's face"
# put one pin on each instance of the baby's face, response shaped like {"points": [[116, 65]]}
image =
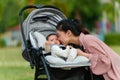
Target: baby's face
{"points": [[53, 39]]}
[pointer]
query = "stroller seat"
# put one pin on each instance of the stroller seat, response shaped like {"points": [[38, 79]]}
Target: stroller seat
{"points": [[38, 40]]}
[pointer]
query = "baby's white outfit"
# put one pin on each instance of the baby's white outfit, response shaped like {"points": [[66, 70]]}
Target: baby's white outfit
{"points": [[59, 55]]}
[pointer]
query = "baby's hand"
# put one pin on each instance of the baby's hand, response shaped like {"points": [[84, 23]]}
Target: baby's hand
{"points": [[47, 43], [47, 46]]}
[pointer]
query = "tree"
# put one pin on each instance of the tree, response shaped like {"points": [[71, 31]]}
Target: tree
{"points": [[88, 11], [9, 13]]}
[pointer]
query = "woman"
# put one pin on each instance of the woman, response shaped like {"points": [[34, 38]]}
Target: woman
{"points": [[104, 61]]}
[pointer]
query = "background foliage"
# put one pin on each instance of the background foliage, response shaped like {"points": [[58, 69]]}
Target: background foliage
{"points": [[112, 39], [88, 11], [9, 13], [85, 10]]}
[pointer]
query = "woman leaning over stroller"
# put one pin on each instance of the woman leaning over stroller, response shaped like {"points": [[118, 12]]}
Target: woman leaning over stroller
{"points": [[104, 61]]}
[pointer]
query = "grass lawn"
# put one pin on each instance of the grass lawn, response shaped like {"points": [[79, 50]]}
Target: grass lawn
{"points": [[116, 49], [14, 67]]}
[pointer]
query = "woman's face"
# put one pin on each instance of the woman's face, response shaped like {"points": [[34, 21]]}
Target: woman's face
{"points": [[63, 37]]}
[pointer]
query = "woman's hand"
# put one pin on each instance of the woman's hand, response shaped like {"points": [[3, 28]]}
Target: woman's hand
{"points": [[81, 53]]}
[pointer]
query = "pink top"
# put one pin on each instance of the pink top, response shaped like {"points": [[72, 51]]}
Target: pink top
{"points": [[102, 58]]}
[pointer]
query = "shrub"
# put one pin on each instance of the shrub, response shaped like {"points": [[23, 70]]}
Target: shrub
{"points": [[112, 39], [2, 43]]}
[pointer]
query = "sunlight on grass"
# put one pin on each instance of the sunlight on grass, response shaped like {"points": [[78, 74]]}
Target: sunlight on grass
{"points": [[13, 66], [16, 73], [116, 49]]}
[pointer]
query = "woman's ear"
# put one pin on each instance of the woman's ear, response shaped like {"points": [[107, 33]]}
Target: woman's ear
{"points": [[69, 33]]}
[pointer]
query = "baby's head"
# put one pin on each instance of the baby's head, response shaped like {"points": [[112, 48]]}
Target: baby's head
{"points": [[53, 39]]}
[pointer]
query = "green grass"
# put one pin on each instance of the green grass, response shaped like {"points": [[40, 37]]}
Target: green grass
{"points": [[116, 49], [14, 67]]}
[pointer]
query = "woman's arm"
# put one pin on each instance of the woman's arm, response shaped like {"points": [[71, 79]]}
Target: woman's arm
{"points": [[56, 50], [81, 53]]}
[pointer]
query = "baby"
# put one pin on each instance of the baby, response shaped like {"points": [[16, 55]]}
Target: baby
{"points": [[59, 52]]}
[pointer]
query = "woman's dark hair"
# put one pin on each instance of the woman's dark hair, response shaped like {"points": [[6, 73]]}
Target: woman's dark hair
{"points": [[73, 25]]}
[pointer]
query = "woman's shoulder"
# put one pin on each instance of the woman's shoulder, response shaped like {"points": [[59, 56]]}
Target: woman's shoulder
{"points": [[87, 36], [88, 39]]}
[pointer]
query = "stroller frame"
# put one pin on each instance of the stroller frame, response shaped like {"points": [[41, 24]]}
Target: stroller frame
{"points": [[36, 56]]}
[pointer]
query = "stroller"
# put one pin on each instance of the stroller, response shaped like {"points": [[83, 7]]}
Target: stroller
{"points": [[43, 19]]}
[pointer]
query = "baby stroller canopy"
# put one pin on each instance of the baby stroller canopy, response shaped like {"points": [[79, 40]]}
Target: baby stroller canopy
{"points": [[43, 18]]}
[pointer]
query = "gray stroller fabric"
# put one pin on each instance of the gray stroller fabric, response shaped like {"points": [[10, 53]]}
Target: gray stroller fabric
{"points": [[43, 20]]}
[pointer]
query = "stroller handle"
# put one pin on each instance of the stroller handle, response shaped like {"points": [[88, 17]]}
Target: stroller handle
{"points": [[28, 7]]}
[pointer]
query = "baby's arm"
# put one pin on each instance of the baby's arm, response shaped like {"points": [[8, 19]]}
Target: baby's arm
{"points": [[72, 55], [57, 51], [47, 46]]}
